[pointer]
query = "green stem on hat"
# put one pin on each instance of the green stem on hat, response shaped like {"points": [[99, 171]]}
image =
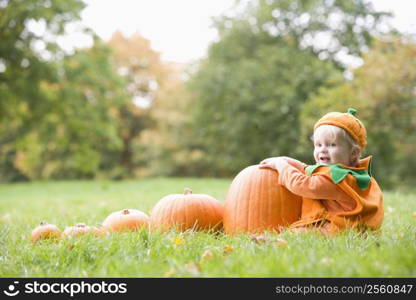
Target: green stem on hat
{"points": [[352, 111]]}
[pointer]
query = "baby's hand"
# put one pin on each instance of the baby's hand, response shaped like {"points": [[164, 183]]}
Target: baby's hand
{"points": [[294, 162], [273, 163]]}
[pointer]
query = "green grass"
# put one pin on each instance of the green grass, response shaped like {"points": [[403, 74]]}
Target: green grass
{"points": [[150, 254]]}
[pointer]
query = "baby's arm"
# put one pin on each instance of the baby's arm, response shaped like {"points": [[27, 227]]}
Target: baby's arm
{"points": [[269, 162], [295, 163], [296, 181]]}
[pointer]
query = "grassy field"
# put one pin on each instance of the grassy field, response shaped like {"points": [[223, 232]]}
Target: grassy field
{"points": [[174, 254]]}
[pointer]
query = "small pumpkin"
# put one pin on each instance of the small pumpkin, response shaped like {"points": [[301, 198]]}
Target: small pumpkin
{"points": [[45, 231], [255, 202], [187, 211], [79, 229], [125, 220]]}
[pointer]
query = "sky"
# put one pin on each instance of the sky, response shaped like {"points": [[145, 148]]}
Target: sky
{"points": [[182, 29]]}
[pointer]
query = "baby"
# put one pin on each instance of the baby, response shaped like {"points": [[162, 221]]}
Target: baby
{"points": [[339, 191]]}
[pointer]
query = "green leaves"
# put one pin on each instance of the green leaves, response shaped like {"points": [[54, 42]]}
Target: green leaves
{"points": [[55, 108], [24, 103]]}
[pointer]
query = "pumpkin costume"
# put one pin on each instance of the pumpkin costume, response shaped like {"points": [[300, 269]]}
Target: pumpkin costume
{"points": [[335, 197], [334, 206]]}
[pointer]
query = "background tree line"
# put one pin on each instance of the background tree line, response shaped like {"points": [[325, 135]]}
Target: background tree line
{"points": [[116, 110]]}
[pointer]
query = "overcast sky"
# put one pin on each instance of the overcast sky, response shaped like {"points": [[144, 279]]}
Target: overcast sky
{"points": [[181, 29]]}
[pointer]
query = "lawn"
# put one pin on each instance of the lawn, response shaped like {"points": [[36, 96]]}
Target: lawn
{"points": [[191, 254]]}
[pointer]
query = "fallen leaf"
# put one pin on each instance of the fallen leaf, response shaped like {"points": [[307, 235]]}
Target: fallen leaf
{"points": [[193, 268], [228, 249], [281, 243], [325, 260], [178, 241], [169, 273], [207, 255]]}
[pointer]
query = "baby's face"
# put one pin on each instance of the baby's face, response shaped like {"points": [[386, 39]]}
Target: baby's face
{"points": [[329, 150]]}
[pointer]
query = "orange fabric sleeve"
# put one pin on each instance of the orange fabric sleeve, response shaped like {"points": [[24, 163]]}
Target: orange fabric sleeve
{"points": [[314, 187]]}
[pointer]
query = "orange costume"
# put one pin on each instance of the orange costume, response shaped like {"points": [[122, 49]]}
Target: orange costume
{"points": [[334, 206], [336, 196]]}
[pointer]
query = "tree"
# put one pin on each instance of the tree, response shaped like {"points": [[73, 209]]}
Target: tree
{"points": [[25, 57], [56, 108], [77, 127], [168, 151], [25, 54], [331, 29], [150, 84]]}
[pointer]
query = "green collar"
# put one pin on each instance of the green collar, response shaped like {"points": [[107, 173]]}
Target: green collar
{"points": [[339, 172]]}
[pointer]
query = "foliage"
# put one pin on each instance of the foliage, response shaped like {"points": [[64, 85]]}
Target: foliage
{"points": [[75, 129], [24, 63], [153, 87], [77, 115], [330, 29], [190, 254], [267, 63], [143, 72]]}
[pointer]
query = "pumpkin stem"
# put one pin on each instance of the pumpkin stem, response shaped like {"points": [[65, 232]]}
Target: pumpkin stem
{"points": [[80, 225], [125, 212], [187, 191], [43, 223]]}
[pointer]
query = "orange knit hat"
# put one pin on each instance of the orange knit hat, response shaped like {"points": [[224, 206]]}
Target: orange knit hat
{"points": [[348, 122]]}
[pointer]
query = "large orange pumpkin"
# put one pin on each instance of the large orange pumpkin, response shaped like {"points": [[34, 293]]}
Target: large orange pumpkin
{"points": [[126, 220], [255, 202], [187, 211]]}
